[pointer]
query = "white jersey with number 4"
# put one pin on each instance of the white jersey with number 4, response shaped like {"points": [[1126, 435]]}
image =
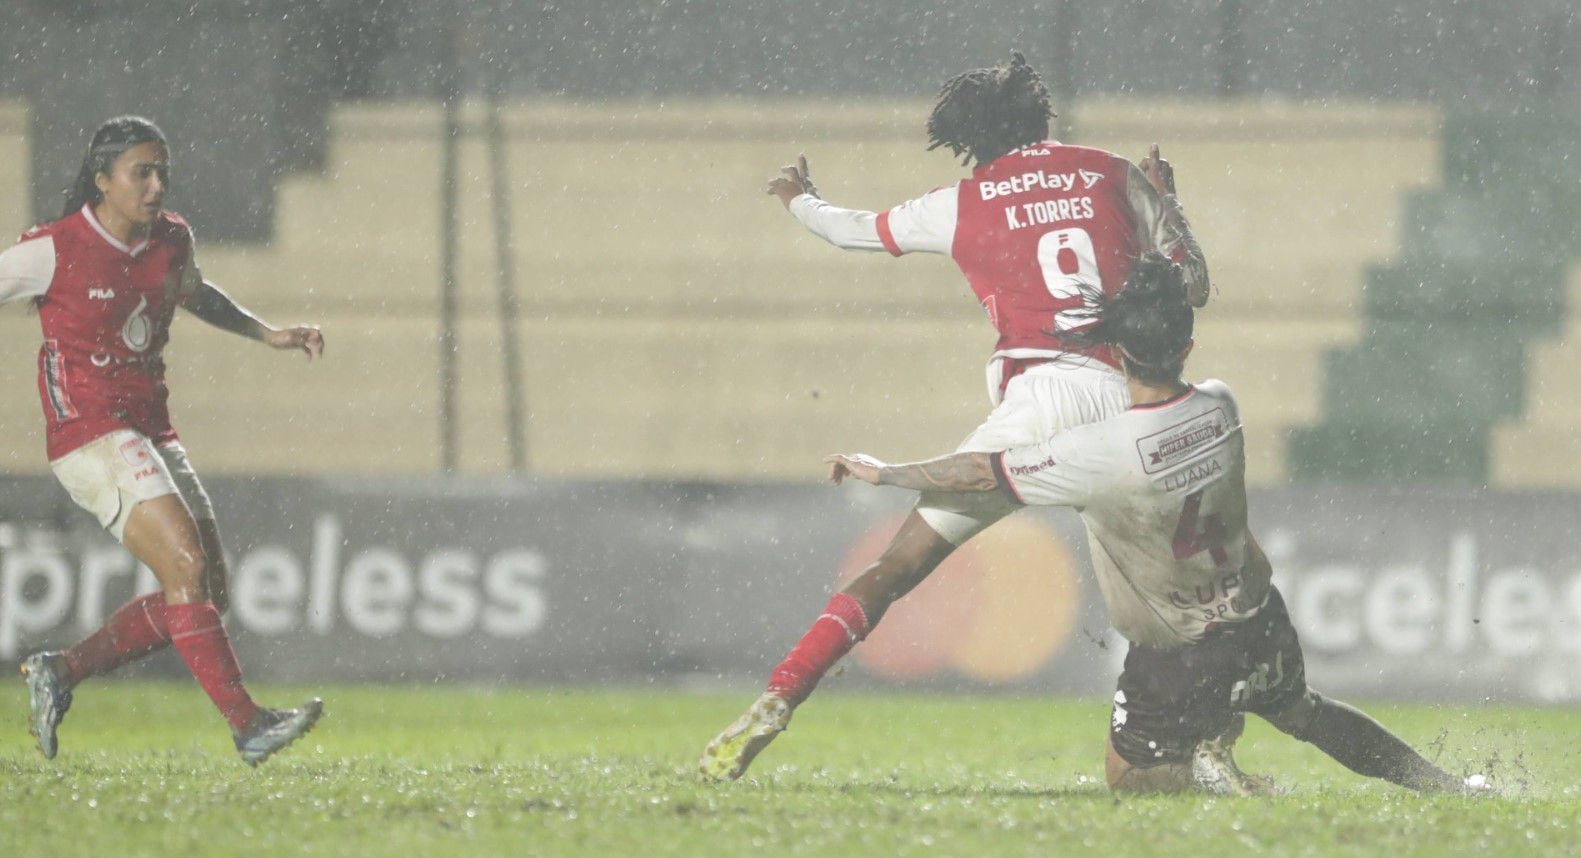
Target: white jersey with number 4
{"points": [[1162, 489]]}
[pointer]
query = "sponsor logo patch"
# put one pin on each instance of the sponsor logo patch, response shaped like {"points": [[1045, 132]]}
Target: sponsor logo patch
{"points": [[135, 452], [1021, 470], [1163, 450]]}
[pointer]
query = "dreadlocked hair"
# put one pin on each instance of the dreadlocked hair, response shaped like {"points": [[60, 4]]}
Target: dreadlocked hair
{"points": [[983, 113], [1149, 321], [112, 139]]}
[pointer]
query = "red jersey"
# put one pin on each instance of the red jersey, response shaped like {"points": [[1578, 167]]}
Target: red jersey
{"points": [[105, 309], [1040, 233]]}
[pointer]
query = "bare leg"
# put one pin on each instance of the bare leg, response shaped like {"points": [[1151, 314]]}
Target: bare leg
{"points": [[161, 533], [909, 559], [1361, 744]]}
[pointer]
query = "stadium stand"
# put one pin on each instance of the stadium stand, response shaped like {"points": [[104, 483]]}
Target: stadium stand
{"points": [[1479, 279], [676, 324]]}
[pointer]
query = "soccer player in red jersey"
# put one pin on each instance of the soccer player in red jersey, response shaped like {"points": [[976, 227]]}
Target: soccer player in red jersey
{"points": [[1162, 490], [1042, 231], [106, 279]]}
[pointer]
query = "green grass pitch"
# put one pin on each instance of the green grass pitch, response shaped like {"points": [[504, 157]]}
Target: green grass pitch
{"points": [[146, 768]]}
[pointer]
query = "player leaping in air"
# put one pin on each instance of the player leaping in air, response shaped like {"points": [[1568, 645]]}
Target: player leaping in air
{"points": [[1162, 490], [1040, 230]]}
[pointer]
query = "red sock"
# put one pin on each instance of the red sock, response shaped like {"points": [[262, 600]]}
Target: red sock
{"points": [[136, 629], [200, 637], [842, 624]]}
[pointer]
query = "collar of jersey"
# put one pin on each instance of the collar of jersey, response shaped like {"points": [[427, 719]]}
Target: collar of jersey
{"points": [[133, 250], [981, 168], [1165, 403]]}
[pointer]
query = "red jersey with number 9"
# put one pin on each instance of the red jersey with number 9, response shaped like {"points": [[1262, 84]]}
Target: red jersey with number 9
{"points": [[1039, 229], [106, 318], [1040, 233]]}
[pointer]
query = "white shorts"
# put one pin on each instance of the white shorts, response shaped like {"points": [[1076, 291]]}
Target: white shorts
{"points": [[1039, 403], [113, 473]]}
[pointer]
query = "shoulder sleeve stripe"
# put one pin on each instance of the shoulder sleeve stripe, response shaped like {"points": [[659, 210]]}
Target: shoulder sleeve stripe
{"points": [[886, 236], [1009, 488]]}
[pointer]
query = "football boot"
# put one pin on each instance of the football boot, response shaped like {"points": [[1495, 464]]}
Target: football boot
{"points": [[271, 730], [729, 754], [1213, 770], [48, 696]]}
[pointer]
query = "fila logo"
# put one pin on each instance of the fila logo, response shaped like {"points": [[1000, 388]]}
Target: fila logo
{"points": [[1089, 178], [102, 294]]}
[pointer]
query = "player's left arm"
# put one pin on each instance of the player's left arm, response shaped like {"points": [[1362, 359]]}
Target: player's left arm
{"points": [[211, 304], [1162, 222]]}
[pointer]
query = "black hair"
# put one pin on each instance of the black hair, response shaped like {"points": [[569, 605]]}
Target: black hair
{"points": [[112, 140], [1149, 321], [983, 113]]}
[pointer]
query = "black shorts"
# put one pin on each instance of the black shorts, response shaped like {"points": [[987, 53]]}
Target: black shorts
{"points": [[1171, 699]]}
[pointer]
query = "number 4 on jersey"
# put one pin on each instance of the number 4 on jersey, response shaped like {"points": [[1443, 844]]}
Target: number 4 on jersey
{"points": [[1191, 540]]}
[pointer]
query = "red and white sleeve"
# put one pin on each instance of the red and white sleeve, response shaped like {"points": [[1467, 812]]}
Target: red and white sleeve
{"points": [[1161, 225], [925, 224]]}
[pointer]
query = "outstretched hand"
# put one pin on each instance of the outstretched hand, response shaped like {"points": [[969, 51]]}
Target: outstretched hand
{"points": [[1160, 173], [855, 465], [793, 181], [308, 338]]}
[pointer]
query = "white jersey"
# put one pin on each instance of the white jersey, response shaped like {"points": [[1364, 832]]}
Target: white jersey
{"points": [[1162, 489]]}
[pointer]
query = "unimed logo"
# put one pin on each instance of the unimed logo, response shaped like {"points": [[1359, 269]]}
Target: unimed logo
{"points": [[374, 591]]}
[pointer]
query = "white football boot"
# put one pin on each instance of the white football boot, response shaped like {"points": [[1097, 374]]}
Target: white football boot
{"points": [[1214, 771]]}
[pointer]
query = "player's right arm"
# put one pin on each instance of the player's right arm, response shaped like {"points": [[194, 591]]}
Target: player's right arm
{"points": [[923, 225], [1062, 471], [957, 472], [26, 269]]}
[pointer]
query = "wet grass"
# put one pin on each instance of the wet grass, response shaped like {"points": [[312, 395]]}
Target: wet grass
{"points": [[147, 769]]}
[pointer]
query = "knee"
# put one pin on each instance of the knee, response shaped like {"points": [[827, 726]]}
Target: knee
{"points": [[1126, 778], [1296, 719], [186, 574]]}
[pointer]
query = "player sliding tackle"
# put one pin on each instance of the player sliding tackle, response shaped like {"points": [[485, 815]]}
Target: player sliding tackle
{"points": [[1040, 230], [1161, 488]]}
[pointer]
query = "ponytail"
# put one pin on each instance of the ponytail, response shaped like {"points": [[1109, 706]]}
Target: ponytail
{"points": [[112, 140], [1149, 321]]}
